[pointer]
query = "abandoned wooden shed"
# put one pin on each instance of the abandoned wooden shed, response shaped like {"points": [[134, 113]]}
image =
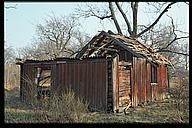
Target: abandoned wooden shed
{"points": [[110, 72]]}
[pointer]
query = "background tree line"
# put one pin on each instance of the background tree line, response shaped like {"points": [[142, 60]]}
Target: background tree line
{"points": [[58, 37]]}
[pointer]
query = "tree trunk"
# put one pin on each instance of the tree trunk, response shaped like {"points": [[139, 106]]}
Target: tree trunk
{"points": [[186, 63], [134, 6], [125, 18], [114, 18]]}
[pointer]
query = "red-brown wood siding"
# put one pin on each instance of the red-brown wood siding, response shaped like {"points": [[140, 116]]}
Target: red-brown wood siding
{"points": [[148, 81], [143, 80], [162, 81], [115, 83], [135, 82], [142, 90]]}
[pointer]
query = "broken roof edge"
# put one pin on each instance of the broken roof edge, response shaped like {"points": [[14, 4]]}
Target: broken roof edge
{"points": [[149, 49], [67, 59], [118, 37], [79, 54]]}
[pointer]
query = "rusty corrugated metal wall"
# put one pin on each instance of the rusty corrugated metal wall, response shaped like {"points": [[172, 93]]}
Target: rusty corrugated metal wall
{"points": [[88, 78]]}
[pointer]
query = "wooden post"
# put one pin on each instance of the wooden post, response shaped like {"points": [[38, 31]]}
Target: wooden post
{"points": [[168, 84], [21, 82], [115, 83]]}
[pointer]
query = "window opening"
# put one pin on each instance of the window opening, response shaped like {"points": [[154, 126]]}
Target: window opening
{"points": [[43, 81], [153, 74]]}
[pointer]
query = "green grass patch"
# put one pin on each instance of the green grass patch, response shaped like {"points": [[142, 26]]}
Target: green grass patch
{"points": [[18, 115]]}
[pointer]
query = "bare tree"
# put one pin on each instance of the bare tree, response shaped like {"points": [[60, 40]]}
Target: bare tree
{"points": [[134, 30], [9, 55], [156, 20], [175, 37], [112, 15], [11, 71], [158, 36], [161, 37], [81, 38], [58, 37]]}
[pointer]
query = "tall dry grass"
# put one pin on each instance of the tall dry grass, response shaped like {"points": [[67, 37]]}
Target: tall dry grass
{"points": [[64, 108], [60, 108]]}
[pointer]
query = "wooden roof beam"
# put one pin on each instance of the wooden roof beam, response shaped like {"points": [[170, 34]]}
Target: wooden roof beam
{"points": [[83, 50], [123, 45], [106, 49]]}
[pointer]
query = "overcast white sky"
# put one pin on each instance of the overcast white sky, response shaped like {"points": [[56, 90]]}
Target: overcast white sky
{"points": [[19, 24]]}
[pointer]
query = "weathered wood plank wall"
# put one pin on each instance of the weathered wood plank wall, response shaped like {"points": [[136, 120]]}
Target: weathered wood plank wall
{"points": [[142, 90]]}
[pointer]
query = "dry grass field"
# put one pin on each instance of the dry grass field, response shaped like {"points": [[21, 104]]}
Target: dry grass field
{"points": [[71, 110]]}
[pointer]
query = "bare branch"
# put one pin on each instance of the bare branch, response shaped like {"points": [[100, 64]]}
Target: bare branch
{"points": [[156, 21], [92, 11], [166, 50], [175, 36], [114, 18], [54, 38], [187, 3], [157, 6], [11, 7], [181, 31], [9, 55], [68, 39], [173, 26], [102, 17], [125, 18], [172, 42], [144, 26]]}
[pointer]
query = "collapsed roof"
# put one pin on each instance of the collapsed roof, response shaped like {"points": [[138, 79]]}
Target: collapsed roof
{"points": [[107, 42]]}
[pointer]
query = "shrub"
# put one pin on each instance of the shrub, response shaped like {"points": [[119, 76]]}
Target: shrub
{"points": [[65, 107], [62, 108], [179, 96]]}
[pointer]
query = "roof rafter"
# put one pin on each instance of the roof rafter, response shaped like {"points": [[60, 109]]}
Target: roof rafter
{"points": [[104, 41]]}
